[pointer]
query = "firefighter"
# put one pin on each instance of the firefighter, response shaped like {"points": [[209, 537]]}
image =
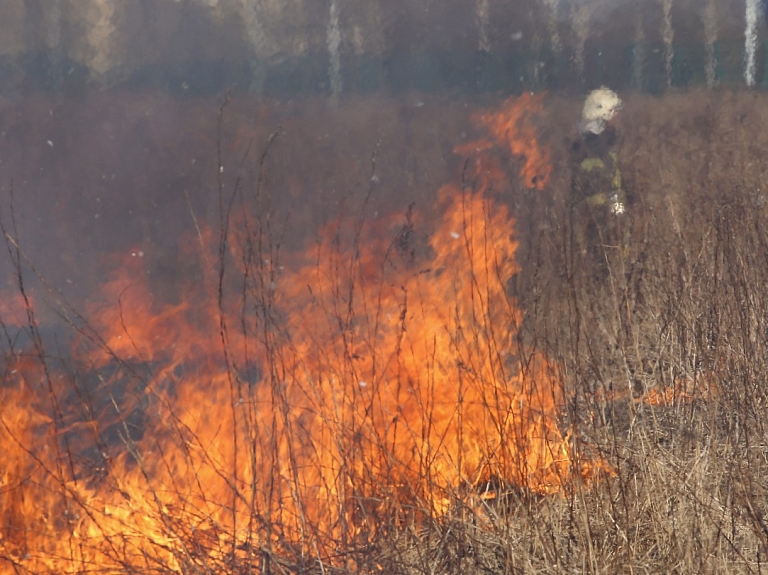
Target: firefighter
{"points": [[598, 199]]}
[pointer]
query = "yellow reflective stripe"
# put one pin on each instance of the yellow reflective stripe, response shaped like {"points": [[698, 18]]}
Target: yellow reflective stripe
{"points": [[616, 183], [596, 200], [590, 164]]}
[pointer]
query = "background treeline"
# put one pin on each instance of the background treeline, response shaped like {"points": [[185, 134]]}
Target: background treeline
{"points": [[297, 46]]}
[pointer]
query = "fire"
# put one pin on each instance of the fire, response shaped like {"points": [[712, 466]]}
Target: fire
{"points": [[683, 390], [512, 126], [14, 308], [286, 404], [421, 358]]}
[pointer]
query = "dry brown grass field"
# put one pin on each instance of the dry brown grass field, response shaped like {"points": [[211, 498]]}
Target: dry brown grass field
{"points": [[427, 377]]}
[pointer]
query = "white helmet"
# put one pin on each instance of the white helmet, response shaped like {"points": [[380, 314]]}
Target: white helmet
{"points": [[599, 108]]}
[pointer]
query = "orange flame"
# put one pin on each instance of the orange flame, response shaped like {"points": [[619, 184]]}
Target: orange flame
{"points": [[287, 407], [512, 126], [15, 307], [683, 390]]}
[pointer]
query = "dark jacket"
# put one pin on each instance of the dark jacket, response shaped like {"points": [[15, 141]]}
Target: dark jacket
{"points": [[595, 172]]}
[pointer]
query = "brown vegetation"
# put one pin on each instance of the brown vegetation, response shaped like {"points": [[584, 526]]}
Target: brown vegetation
{"points": [[415, 393]]}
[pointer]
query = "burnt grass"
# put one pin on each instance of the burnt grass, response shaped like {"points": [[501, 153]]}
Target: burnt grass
{"points": [[663, 358]]}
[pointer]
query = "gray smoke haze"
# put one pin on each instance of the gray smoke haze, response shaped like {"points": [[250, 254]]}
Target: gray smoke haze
{"points": [[108, 109]]}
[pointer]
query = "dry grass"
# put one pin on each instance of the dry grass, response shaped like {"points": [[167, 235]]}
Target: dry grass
{"points": [[663, 361]]}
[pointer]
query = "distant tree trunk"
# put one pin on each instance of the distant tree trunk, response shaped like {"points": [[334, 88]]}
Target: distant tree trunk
{"points": [[483, 19], [710, 38], [251, 13], [334, 49], [668, 35]]}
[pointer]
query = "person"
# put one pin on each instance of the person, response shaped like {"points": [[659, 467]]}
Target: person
{"points": [[598, 199]]}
